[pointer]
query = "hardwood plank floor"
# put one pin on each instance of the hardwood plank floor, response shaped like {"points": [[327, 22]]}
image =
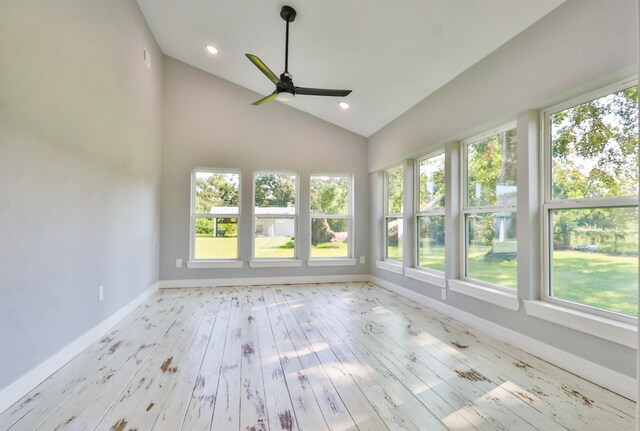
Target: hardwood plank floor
{"points": [[349, 356]]}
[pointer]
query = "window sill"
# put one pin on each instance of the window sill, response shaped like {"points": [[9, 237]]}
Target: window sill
{"points": [[205, 264], [331, 262], [275, 263], [395, 267], [494, 296], [598, 326], [426, 276]]}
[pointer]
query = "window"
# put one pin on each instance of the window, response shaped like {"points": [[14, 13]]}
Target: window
{"points": [[275, 217], [394, 231], [489, 208], [214, 214], [591, 212], [330, 216], [430, 212]]}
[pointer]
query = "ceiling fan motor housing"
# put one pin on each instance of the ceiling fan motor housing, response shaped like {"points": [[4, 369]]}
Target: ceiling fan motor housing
{"points": [[288, 13]]}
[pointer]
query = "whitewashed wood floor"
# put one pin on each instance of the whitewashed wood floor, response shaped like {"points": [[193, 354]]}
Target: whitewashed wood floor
{"points": [[308, 357]]}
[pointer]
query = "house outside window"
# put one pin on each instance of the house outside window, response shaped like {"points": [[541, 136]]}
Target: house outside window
{"points": [[215, 213], [275, 215]]}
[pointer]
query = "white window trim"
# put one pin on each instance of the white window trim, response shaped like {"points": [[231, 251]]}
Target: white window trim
{"points": [[216, 263], [429, 276], [254, 262], [387, 215], [332, 261], [314, 261], [602, 327], [486, 289], [432, 274], [391, 266], [492, 295], [274, 263], [557, 308]]}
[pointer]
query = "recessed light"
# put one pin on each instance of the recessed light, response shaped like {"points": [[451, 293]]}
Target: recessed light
{"points": [[212, 49], [344, 105]]}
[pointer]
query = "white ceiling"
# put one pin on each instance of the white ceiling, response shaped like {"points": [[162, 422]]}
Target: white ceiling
{"points": [[392, 54]]}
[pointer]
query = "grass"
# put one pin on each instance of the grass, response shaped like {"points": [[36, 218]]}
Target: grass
{"points": [[209, 247], [330, 249], [595, 279]]}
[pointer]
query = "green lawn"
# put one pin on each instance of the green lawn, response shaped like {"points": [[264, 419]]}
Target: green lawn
{"points": [[432, 256], [330, 249], [209, 247], [394, 252], [596, 279]]}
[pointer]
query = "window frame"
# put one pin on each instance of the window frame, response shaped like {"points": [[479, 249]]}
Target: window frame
{"points": [[388, 215], [295, 217], [466, 210], [418, 213], [193, 216], [349, 217], [549, 203]]}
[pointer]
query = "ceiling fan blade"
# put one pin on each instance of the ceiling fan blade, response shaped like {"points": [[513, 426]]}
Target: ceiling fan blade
{"points": [[266, 99], [322, 92], [263, 68]]}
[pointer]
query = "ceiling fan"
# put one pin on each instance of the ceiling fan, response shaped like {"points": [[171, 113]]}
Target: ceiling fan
{"points": [[285, 90]]}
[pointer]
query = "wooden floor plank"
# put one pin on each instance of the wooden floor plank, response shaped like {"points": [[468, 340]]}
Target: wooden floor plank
{"points": [[87, 408], [280, 412], [226, 410], [307, 410], [551, 392], [46, 397], [340, 356], [311, 371], [253, 410], [387, 391], [201, 401]]}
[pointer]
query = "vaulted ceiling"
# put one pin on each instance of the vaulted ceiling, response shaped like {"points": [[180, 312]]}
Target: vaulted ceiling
{"points": [[391, 54]]}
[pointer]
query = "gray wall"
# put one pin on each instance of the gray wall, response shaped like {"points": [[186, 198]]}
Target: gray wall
{"points": [[580, 46], [209, 122], [79, 171]]}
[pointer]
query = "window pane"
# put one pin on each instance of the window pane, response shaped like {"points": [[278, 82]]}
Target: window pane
{"points": [[276, 191], [217, 192], [431, 242], [330, 195], [329, 237], [274, 237], [394, 191], [492, 248], [595, 148], [431, 193], [595, 257], [491, 167], [216, 238], [394, 240]]}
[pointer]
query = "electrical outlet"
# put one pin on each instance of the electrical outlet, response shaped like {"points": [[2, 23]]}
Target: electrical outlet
{"points": [[443, 294], [100, 293], [361, 259], [178, 263]]}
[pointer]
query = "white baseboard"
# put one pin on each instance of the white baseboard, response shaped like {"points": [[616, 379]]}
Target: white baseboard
{"points": [[261, 281], [16, 390], [602, 376]]}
